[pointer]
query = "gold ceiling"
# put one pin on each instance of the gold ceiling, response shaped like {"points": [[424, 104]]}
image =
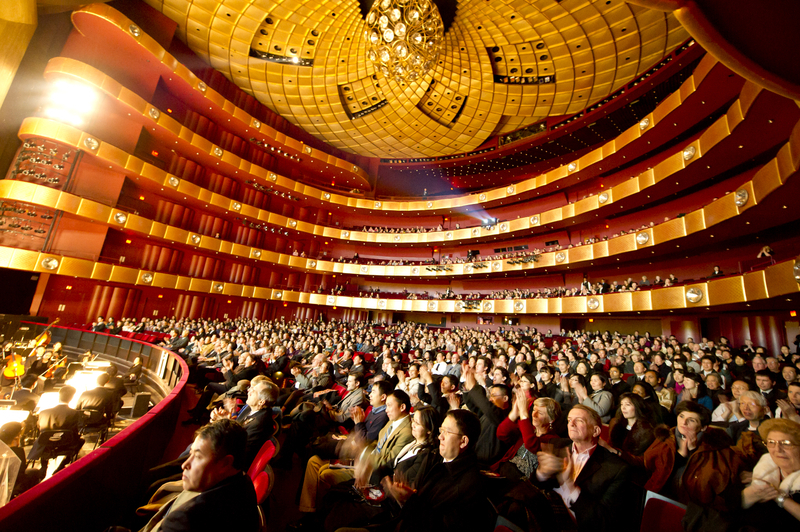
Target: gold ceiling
{"points": [[506, 64]]}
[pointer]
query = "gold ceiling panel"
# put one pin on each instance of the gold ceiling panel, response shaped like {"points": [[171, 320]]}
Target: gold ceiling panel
{"points": [[587, 48]]}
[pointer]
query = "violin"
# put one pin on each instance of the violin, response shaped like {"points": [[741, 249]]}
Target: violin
{"points": [[60, 363], [44, 338]]}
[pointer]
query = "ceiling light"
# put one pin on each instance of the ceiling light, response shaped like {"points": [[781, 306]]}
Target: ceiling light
{"points": [[404, 37]]}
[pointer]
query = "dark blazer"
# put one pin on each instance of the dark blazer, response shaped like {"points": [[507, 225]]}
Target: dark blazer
{"points": [[372, 425], [450, 497], [60, 417], [99, 398], [606, 494], [620, 388], [633, 379], [489, 448], [773, 396], [235, 495], [259, 429], [26, 399]]}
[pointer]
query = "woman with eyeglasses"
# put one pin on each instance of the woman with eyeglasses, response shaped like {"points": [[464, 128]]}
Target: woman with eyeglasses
{"points": [[772, 500], [413, 460]]}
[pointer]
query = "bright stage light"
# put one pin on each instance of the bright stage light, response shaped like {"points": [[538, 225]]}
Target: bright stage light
{"points": [[70, 102]]}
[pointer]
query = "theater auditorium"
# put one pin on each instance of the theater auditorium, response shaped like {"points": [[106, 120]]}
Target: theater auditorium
{"points": [[399, 265]]}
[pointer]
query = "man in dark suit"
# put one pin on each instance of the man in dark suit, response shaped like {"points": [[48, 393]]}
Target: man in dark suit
{"points": [[213, 481], [639, 370], [766, 386], [594, 484], [99, 399], [618, 386], [257, 418], [63, 417]]}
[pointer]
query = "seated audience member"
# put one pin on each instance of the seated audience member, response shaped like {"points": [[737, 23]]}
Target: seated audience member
{"points": [[694, 464], [639, 369], [412, 461], [631, 430], [594, 484], [99, 399], [437, 394], [789, 408], [217, 494], [525, 431], [618, 386], [245, 370], [600, 399], [744, 434], [728, 411], [547, 385], [766, 385], [666, 396], [449, 495], [694, 389], [772, 500], [492, 411], [320, 477]]}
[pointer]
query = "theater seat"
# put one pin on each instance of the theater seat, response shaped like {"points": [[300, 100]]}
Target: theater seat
{"points": [[263, 484], [261, 460], [661, 514]]}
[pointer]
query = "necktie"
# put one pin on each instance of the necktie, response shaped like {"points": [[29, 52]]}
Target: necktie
{"points": [[385, 437]]}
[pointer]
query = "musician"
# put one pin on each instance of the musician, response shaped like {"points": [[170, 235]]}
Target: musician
{"points": [[25, 398], [63, 417], [135, 372], [39, 363], [99, 398]]}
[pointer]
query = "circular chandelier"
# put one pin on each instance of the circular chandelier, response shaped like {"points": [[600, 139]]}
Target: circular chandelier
{"points": [[404, 37]]}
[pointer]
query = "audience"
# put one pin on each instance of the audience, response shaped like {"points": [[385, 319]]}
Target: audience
{"points": [[362, 404]]}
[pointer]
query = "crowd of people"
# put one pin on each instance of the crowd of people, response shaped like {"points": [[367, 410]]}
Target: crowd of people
{"points": [[409, 427]]}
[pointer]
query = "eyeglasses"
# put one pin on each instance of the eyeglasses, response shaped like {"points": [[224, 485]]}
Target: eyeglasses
{"points": [[782, 444], [447, 431]]}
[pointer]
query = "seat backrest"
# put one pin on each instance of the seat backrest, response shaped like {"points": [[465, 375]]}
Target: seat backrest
{"points": [[263, 484], [93, 417], [263, 457], [661, 514]]}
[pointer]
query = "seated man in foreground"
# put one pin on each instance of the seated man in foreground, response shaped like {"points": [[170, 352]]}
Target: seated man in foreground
{"points": [[594, 483], [217, 495]]}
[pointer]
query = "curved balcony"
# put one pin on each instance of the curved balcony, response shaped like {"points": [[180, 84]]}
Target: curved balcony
{"points": [[116, 32], [732, 210]]}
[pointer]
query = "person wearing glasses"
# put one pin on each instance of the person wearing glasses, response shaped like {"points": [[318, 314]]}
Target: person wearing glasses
{"points": [[772, 500]]}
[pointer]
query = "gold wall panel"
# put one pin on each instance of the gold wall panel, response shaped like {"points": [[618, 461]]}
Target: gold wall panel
{"points": [[200, 285], [572, 305], [767, 178], [755, 285], [642, 300], [626, 188], [554, 305], [502, 306], [101, 271], [619, 302], [165, 280], [121, 274], [727, 290], [622, 244], [580, 253], [720, 210], [75, 267], [667, 298], [669, 230], [695, 221], [667, 167], [780, 279], [22, 259]]}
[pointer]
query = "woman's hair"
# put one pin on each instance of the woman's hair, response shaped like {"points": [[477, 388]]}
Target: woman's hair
{"points": [[429, 419], [603, 378], [581, 379], [639, 407], [586, 364], [649, 391], [553, 408], [695, 408], [787, 426], [755, 396]]}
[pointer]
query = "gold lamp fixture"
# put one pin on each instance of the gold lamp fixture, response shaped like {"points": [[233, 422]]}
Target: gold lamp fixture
{"points": [[404, 37]]}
